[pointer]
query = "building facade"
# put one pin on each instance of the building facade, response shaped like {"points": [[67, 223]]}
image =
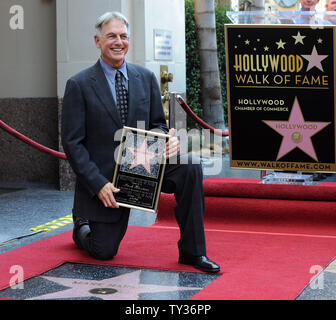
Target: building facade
{"points": [[44, 42]]}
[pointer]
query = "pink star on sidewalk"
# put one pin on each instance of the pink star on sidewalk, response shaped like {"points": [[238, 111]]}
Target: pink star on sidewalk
{"points": [[123, 287], [142, 156], [314, 59], [296, 132]]}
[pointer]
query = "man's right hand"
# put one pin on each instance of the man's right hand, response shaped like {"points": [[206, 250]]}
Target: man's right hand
{"points": [[106, 195]]}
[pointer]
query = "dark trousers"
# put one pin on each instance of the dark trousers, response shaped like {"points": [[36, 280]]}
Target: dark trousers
{"points": [[185, 180]]}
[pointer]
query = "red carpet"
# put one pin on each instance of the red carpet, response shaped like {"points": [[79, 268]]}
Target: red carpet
{"points": [[244, 204], [277, 233], [266, 246]]}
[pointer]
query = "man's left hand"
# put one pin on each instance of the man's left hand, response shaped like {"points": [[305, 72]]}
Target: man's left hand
{"points": [[173, 145]]}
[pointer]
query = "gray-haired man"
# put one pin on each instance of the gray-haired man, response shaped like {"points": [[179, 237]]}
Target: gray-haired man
{"points": [[90, 119]]}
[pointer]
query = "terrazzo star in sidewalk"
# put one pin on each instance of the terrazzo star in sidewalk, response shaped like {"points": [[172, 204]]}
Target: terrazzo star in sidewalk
{"points": [[124, 287]]}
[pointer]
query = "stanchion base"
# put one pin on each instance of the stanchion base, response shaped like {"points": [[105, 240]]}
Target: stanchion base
{"points": [[289, 178]]}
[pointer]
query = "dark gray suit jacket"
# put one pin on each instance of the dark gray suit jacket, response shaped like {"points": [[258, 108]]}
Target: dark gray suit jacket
{"points": [[89, 122]]}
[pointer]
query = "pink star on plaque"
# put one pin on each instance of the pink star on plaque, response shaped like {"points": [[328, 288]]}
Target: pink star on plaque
{"points": [[142, 156], [296, 132], [314, 59]]}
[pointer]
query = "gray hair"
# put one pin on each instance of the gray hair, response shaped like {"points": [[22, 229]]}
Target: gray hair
{"points": [[107, 17]]}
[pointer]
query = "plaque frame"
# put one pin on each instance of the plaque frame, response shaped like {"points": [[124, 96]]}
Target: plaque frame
{"points": [[127, 179]]}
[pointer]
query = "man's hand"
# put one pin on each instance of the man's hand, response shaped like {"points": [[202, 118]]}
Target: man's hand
{"points": [[106, 195], [173, 145]]}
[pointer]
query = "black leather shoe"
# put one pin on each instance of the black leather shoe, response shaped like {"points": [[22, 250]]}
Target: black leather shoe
{"points": [[81, 226], [200, 262]]}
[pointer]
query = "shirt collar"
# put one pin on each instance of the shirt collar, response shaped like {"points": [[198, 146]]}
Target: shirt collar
{"points": [[112, 71]]}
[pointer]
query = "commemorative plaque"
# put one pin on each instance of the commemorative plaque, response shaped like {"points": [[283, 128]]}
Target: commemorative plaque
{"points": [[139, 169], [281, 97]]}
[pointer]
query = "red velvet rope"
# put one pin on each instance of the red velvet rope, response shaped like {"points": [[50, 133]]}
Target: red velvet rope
{"points": [[32, 143], [62, 156], [193, 116]]}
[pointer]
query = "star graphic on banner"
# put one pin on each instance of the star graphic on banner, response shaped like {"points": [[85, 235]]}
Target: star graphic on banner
{"points": [[314, 59], [142, 156], [296, 132], [298, 38], [247, 42], [124, 287], [266, 48], [319, 40], [281, 44]]}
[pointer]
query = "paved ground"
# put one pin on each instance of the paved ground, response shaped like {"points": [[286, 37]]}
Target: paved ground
{"points": [[26, 206]]}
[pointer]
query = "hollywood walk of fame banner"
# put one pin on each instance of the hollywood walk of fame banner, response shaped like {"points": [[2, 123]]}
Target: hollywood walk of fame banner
{"points": [[281, 97], [139, 169]]}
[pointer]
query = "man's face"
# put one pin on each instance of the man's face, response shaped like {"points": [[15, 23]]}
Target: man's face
{"points": [[113, 43], [308, 4], [331, 5]]}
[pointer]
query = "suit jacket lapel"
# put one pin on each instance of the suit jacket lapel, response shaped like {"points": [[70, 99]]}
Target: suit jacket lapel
{"points": [[103, 92], [135, 92]]}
